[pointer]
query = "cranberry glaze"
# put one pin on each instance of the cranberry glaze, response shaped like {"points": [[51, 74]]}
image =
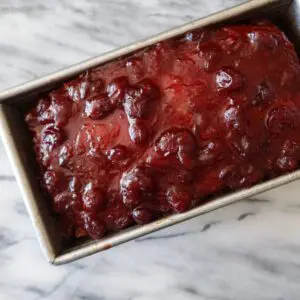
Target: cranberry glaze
{"points": [[164, 129]]}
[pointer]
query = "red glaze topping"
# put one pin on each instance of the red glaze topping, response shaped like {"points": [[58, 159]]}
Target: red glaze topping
{"points": [[162, 130]]}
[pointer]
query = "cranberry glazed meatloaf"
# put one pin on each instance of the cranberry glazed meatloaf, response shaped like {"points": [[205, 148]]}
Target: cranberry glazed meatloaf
{"points": [[162, 130]]}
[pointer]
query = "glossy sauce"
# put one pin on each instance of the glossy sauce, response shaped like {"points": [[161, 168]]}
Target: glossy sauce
{"points": [[164, 129]]}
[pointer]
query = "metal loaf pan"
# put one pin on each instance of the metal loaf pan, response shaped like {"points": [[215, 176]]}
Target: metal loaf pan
{"points": [[286, 14]]}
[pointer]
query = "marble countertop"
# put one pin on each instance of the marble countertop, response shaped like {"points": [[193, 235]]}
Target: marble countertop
{"points": [[247, 251]]}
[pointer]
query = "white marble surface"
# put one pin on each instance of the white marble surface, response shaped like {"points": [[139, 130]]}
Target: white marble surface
{"points": [[247, 251]]}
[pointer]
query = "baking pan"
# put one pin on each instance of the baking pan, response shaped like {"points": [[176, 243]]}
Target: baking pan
{"points": [[15, 136]]}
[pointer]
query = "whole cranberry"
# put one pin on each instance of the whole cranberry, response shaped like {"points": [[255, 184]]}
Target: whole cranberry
{"points": [[281, 118], [75, 185], [290, 148], [289, 157], [135, 105], [65, 154], [93, 226], [62, 202], [87, 85], [286, 164], [117, 216], [142, 215], [230, 175], [54, 181], [48, 140], [240, 176], [51, 137], [263, 95], [93, 198], [243, 136], [98, 107], [178, 198], [117, 89], [77, 89], [139, 99], [43, 114], [138, 132], [136, 186], [229, 79], [62, 108], [51, 179], [234, 117], [251, 175], [179, 142]]}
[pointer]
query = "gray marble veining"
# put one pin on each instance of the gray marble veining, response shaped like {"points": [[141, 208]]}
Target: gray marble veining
{"points": [[243, 252]]}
